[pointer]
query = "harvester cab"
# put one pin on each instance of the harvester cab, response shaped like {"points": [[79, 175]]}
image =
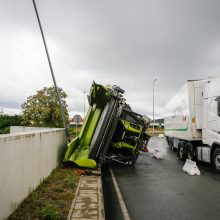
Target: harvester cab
{"points": [[111, 130]]}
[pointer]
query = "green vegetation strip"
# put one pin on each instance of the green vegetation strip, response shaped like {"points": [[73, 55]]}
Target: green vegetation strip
{"points": [[156, 130], [176, 129], [52, 199]]}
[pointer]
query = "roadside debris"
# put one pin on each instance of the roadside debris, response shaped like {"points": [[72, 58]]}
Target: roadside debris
{"points": [[87, 172], [161, 136], [158, 155], [191, 168], [145, 149]]}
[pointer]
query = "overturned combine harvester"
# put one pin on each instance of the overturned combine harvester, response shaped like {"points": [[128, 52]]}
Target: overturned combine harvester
{"points": [[111, 130]]}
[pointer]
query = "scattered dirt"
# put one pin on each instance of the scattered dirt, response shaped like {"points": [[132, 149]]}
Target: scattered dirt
{"points": [[52, 198]]}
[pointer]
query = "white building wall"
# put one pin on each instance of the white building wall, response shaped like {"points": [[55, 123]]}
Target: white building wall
{"points": [[25, 160]]}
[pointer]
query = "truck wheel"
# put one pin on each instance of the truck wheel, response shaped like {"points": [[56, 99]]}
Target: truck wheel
{"points": [[181, 153], [190, 151], [216, 159], [170, 144]]}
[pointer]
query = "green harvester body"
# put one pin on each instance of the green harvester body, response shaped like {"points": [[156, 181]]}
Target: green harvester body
{"points": [[96, 142]]}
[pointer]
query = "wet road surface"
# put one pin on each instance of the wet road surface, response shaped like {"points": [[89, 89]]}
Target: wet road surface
{"points": [[159, 189]]}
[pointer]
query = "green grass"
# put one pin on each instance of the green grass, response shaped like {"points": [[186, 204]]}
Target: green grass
{"points": [[49, 212], [52, 198], [156, 130], [73, 132]]}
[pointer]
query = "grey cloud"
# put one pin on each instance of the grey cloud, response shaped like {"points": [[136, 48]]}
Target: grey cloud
{"points": [[128, 43]]}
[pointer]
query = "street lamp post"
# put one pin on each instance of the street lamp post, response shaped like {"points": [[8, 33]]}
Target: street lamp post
{"points": [[153, 104], [52, 72], [84, 104]]}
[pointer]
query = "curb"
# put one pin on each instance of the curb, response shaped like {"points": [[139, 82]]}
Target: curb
{"points": [[123, 207], [74, 200], [88, 202]]}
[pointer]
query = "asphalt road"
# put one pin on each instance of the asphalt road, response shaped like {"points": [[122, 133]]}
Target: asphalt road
{"points": [[159, 189]]}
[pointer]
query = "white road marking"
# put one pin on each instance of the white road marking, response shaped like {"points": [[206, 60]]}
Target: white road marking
{"points": [[120, 199]]}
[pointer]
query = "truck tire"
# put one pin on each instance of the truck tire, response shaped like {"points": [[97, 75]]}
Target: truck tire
{"points": [[216, 159], [190, 151], [181, 152], [170, 143]]}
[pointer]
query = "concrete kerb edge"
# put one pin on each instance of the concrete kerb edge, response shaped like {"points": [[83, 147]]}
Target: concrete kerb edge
{"points": [[122, 204], [100, 195], [74, 200]]}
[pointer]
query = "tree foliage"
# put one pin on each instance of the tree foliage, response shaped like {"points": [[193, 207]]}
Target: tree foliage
{"points": [[9, 120], [42, 109]]}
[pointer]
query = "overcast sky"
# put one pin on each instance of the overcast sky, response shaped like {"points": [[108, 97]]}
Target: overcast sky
{"points": [[122, 42]]}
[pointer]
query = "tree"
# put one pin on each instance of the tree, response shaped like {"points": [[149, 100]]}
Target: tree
{"points": [[42, 109], [9, 120]]}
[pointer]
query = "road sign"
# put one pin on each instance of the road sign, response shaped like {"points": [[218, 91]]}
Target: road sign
{"points": [[77, 119]]}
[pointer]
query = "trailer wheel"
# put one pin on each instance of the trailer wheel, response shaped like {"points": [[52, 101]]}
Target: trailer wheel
{"points": [[191, 154], [216, 159], [181, 152], [170, 143]]}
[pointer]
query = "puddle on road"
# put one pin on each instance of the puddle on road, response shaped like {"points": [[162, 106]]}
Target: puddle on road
{"points": [[140, 163], [143, 165]]}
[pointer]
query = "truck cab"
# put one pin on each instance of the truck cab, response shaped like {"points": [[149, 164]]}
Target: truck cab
{"points": [[211, 120]]}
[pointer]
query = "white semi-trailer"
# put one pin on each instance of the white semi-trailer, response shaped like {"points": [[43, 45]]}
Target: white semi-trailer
{"points": [[192, 121]]}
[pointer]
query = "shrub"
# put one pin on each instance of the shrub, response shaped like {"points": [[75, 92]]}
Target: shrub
{"points": [[49, 212]]}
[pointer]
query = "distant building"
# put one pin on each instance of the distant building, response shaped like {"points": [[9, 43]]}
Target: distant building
{"points": [[157, 123]]}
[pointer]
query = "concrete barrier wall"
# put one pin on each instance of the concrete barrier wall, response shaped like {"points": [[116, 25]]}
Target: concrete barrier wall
{"points": [[25, 160], [20, 129]]}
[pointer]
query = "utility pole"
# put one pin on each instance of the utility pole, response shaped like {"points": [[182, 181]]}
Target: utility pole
{"points": [[84, 104], [52, 72], [153, 104]]}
